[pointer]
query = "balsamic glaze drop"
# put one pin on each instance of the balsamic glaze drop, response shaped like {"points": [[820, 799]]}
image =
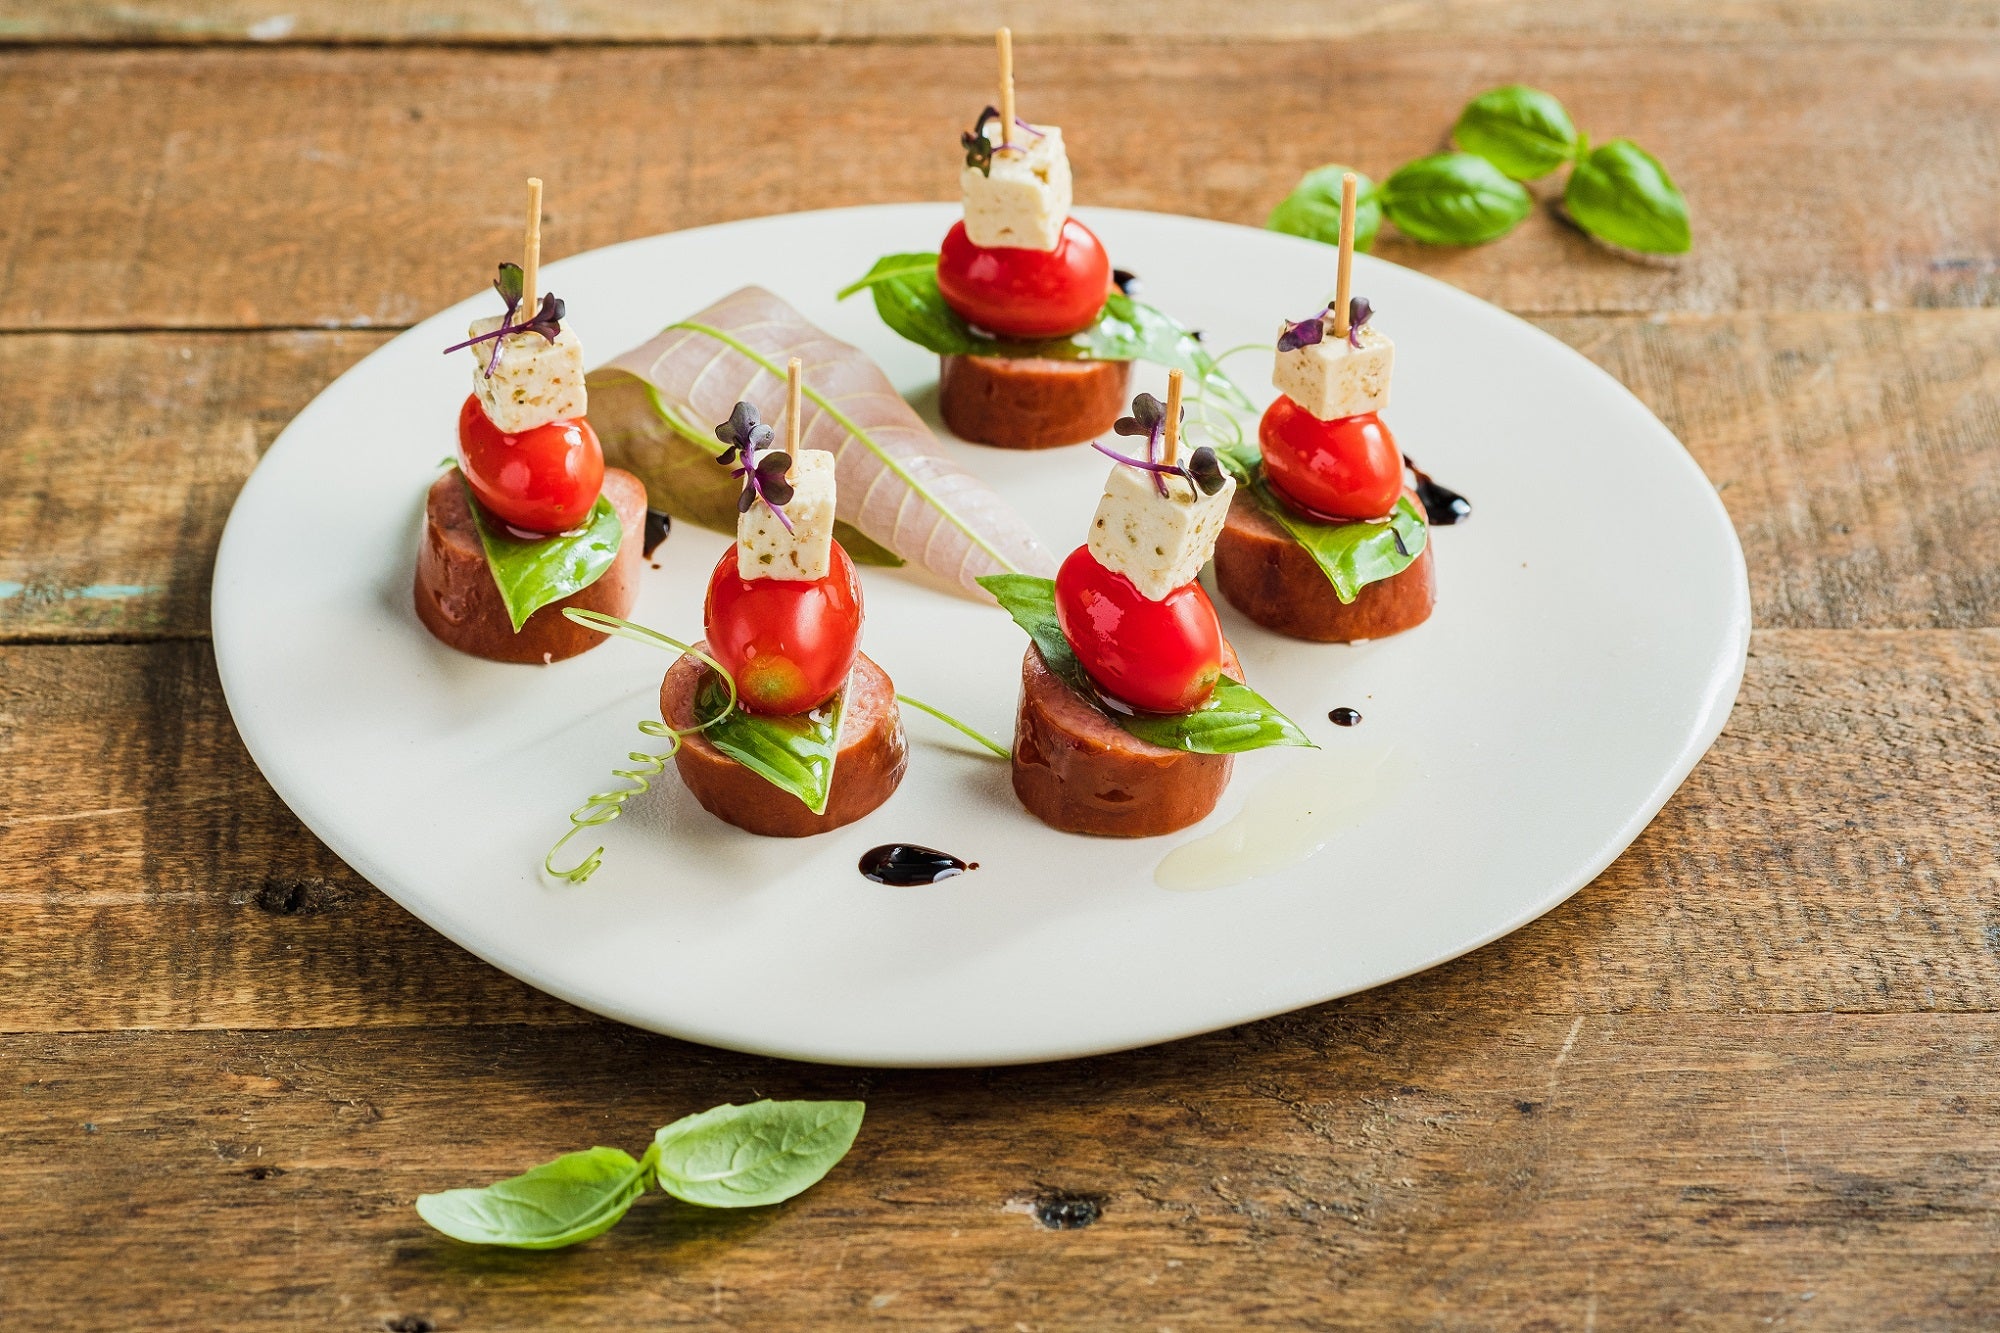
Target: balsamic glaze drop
{"points": [[1126, 281], [658, 524], [903, 864], [1345, 717], [1443, 506]]}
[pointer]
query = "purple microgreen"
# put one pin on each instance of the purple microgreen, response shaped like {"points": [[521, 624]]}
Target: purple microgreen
{"points": [[763, 478], [1358, 311], [1304, 333], [979, 148], [508, 284], [1029, 128], [546, 321], [1149, 418], [1204, 469]]}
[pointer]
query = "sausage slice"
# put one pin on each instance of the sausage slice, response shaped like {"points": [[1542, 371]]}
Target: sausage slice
{"points": [[1078, 771], [1031, 402], [458, 601], [867, 768], [1271, 579]]}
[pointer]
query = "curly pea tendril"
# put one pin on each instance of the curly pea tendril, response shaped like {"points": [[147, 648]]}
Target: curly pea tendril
{"points": [[605, 806]]}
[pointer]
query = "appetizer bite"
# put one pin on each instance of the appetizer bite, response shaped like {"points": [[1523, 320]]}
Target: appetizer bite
{"points": [[810, 736], [1324, 541], [1036, 342], [528, 521], [1131, 701]]}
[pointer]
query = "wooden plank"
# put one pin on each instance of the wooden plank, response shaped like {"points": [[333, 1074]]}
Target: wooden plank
{"points": [[148, 878], [1422, 1170], [1854, 453], [553, 21], [314, 186]]}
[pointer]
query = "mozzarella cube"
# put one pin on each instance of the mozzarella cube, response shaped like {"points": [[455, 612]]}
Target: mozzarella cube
{"points": [[765, 550], [1332, 379], [1160, 542], [536, 382], [1024, 202]]}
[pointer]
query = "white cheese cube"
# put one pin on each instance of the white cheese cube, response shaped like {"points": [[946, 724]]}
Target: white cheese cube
{"points": [[1024, 202], [1332, 379], [536, 382], [1160, 542], [765, 550]]}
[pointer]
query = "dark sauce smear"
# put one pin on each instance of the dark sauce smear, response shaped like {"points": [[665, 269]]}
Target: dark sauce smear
{"points": [[1443, 506], [657, 527], [1345, 717], [903, 864], [1126, 281]]}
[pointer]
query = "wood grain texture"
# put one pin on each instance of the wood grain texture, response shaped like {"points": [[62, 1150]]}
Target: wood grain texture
{"points": [[1426, 1170], [1834, 852], [211, 188], [483, 21], [1854, 453]]}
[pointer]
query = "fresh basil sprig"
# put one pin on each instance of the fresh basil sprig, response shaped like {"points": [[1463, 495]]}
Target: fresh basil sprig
{"points": [[1312, 209], [1235, 718], [1617, 193], [907, 298], [532, 572], [729, 1157], [793, 754]]}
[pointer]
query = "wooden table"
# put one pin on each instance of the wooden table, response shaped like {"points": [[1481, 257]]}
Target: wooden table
{"points": [[1746, 1079]]}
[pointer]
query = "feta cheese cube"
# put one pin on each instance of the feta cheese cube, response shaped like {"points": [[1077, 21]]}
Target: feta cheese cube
{"points": [[1160, 542], [765, 550], [536, 382], [1332, 379], [1025, 201]]}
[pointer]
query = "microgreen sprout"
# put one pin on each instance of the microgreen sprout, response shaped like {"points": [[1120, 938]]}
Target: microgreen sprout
{"points": [[979, 148], [763, 477], [1313, 328], [1203, 470], [547, 319]]}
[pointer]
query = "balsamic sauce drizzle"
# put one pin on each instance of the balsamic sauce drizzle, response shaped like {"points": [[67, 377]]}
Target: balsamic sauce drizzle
{"points": [[904, 864], [1443, 506], [1345, 717], [658, 524]]}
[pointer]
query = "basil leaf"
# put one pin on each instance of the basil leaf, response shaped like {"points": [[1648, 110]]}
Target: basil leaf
{"points": [[1621, 194], [575, 1197], [1233, 719], [1523, 131], [861, 550], [1352, 555], [1312, 209], [793, 754], [749, 1156], [532, 572], [1454, 199], [908, 300]]}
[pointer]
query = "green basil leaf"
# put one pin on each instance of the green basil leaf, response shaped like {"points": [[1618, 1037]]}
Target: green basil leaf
{"points": [[793, 754], [531, 573], [749, 1156], [1454, 199], [1621, 194], [1312, 209], [575, 1197], [1233, 719], [908, 300], [861, 550], [1352, 555], [1523, 131]]}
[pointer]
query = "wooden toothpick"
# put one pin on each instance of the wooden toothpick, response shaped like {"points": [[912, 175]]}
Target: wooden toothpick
{"points": [[531, 261], [1345, 285], [1170, 451], [1004, 38], [794, 394]]}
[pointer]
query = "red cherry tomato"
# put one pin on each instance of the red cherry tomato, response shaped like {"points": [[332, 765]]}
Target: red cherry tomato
{"points": [[541, 480], [788, 643], [1160, 657], [1026, 293], [1348, 468]]}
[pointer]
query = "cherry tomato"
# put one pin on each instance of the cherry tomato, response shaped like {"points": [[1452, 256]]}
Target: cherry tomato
{"points": [[1026, 293], [1349, 468], [789, 643], [1160, 657], [541, 480]]}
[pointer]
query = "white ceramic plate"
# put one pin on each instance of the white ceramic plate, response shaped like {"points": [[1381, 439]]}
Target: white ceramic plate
{"points": [[1589, 639]]}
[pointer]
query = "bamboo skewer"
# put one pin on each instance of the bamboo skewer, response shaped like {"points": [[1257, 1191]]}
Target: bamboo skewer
{"points": [[531, 262], [1170, 445], [1345, 284], [794, 397], [1004, 39]]}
